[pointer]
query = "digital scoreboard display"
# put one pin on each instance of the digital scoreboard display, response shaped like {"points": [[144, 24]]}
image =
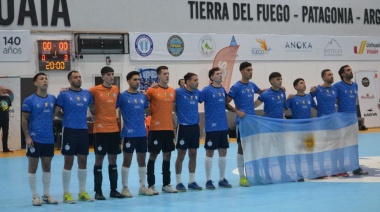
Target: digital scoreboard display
{"points": [[54, 55]]}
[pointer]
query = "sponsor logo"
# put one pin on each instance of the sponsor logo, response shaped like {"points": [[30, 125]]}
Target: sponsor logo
{"points": [[333, 49], [367, 48], [175, 45], [206, 46], [365, 82], [367, 96], [370, 113], [298, 46], [144, 45], [263, 50]]}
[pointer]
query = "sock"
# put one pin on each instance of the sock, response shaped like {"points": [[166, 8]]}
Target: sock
{"points": [[150, 173], [208, 165], [82, 176], [46, 176], [166, 172], [32, 183], [66, 177], [98, 178], [222, 167], [142, 175], [240, 164], [124, 176], [191, 177], [113, 175], [178, 177]]}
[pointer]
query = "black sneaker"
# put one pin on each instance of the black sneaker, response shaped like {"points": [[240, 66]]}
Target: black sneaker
{"points": [[7, 150], [116, 194], [99, 196], [301, 180], [359, 171]]}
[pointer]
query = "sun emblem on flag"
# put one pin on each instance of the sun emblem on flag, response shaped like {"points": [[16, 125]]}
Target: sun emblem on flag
{"points": [[309, 142]]}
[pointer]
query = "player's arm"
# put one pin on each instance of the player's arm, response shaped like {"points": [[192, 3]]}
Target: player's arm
{"points": [[58, 112], [262, 91], [25, 128], [91, 107], [257, 103], [229, 107]]}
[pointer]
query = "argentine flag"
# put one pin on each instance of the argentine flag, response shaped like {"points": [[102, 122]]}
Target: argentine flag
{"points": [[287, 150]]}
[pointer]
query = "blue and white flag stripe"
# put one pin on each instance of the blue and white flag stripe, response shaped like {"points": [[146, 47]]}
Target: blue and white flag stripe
{"points": [[299, 148]]}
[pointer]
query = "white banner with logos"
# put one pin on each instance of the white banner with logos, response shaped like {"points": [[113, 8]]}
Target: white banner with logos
{"points": [[12, 85], [368, 96], [15, 45], [198, 46]]}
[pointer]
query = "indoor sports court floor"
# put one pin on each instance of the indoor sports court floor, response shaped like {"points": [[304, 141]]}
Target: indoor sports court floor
{"points": [[333, 194]]}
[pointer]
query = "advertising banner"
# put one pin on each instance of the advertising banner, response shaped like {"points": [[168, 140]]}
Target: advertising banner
{"points": [[368, 96], [15, 45], [197, 46], [12, 86]]}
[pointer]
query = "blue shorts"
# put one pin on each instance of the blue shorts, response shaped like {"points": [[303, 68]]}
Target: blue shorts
{"points": [[217, 139], [74, 141], [40, 150], [187, 136], [140, 144], [161, 140], [107, 143]]}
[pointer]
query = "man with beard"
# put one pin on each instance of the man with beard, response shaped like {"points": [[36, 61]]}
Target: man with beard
{"points": [[347, 95]]}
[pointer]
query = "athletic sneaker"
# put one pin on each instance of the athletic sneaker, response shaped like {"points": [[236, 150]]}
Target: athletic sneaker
{"points": [[67, 198], [47, 199], [194, 186], [344, 174], [116, 194], [84, 196], [153, 188], [169, 189], [125, 192], [359, 171], [145, 191], [244, 182], [99, 196], [224, 183], [36, 200], [180, 187], [209, 185]]}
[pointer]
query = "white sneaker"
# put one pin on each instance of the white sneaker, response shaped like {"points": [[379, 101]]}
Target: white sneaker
{"points": [[169, 189], [125, 192], [146, 191], [47, 199], [153, 188], [36, 200]]}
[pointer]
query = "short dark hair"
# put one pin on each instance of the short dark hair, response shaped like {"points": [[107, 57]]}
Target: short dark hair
{"points": [[341, 71], [297, 81], [105, 70], [324, 72], [188, 76], [179, 81], [244, 65], [212, 71], [131, 74], [274, 75], [37, 75], [160, 68], [71, 73]]}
